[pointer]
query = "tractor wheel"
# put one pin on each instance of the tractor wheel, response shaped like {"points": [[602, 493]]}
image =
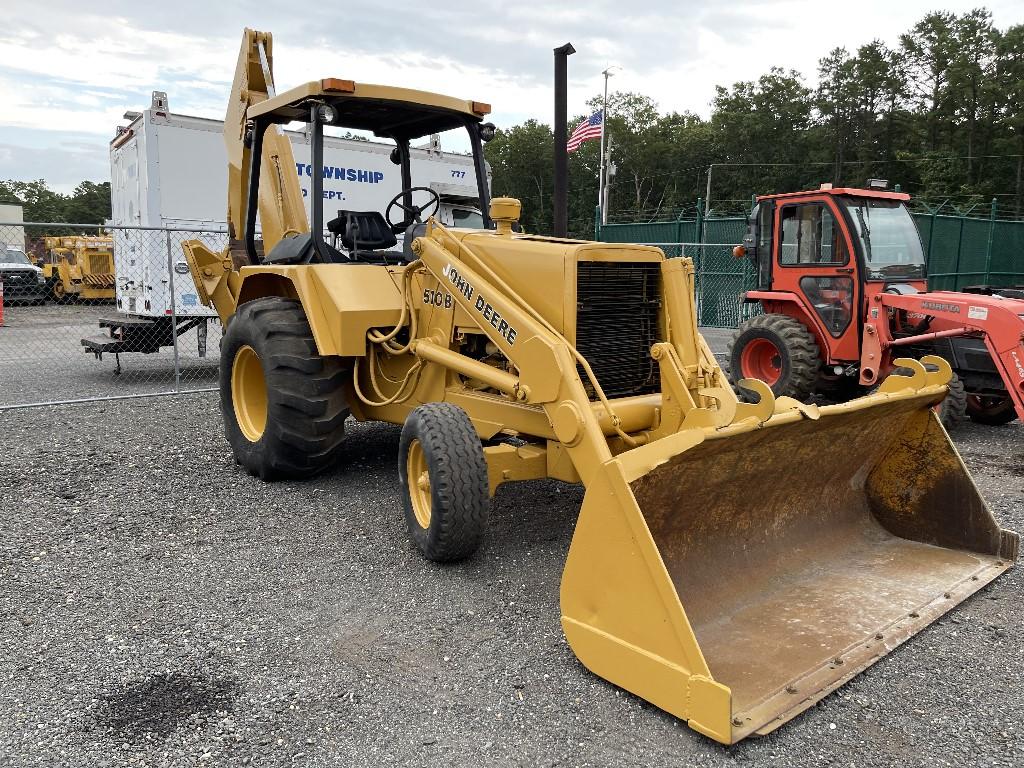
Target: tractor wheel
{"points": [[779, 351], [953, 409], [283, 404], [443, 476], [991, 410], [60, 293]]}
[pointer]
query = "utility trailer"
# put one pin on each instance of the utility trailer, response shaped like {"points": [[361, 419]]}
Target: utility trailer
{"points": [[168, 175]]}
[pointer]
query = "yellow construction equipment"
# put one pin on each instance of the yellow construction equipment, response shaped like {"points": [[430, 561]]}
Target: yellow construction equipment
{"points": [[732, 562], [80, 266]]}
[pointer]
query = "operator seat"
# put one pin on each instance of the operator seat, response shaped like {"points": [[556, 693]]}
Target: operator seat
{"points": [[364, 234]]}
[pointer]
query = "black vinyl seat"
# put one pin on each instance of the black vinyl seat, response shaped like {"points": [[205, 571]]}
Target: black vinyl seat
{"points": [[362, 231]]}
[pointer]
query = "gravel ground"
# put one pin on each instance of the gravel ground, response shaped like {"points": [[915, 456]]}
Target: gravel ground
{"points": [[160, 607]]}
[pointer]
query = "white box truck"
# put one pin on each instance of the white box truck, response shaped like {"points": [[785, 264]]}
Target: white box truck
{"points": [[169, 171]]}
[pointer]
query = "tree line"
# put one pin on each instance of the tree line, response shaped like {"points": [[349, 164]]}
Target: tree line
{"points": [[941, 114], [89, 203]]}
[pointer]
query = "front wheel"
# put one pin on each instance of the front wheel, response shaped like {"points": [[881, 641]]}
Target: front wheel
{"points": [[443, 476], [778, 350], [59, 292], [991, 410]]}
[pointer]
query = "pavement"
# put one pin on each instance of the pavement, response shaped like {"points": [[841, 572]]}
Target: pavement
{"points": [[162, 608]]}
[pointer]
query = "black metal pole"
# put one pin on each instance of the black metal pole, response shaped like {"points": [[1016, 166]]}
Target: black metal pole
{"points": [[560, 219]]}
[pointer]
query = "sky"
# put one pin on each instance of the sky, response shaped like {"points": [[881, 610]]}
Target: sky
{"points": [[69, 70]]}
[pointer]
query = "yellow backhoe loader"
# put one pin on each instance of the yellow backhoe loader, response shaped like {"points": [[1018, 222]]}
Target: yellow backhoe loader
{"points": [[80, 267], [732, 562]]}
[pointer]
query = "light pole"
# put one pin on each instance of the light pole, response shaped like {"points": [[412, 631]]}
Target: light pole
{"points": [[560, 217], [601, 165]]}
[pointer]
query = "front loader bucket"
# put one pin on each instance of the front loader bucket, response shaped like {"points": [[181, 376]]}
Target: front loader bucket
{"points": [[735, 577]]}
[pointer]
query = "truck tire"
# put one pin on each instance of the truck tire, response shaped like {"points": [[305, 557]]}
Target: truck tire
{"points": [[284, 405], [953, 409], [443, 476], [778, 350], [993, 411]]}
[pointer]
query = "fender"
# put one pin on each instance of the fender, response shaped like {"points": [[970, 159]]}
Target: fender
{"points": [[366, 295], [793, 305]]}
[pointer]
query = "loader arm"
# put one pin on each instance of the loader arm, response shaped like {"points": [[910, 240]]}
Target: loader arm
{"points": [[547, 368], [1000, 321]]}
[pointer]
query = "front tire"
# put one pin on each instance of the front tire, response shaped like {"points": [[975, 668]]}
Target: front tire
{"points": [[283, 404], [778, 350], [990, 410], [443, 476]]}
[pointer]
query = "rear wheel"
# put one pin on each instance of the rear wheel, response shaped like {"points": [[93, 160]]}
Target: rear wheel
{"points": [[443, 476], [778, 350], [990, 409], [283, 404]]}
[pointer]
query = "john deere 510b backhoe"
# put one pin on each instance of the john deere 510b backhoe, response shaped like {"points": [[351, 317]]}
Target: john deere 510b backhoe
{"points": [[732, 562]]}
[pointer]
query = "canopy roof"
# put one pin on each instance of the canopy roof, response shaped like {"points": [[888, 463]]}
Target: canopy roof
{"points": [[385, 111]]}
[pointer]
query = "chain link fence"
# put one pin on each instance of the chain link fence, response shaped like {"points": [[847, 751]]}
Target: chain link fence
{"points": [[961, 251], [93, 313], [721, 278]]}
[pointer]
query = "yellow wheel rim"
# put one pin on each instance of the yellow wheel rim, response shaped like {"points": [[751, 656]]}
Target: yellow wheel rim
{"points": [[58, 290], [418, 479], [249, 393]]}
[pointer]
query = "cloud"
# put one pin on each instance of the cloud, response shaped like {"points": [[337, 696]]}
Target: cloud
{"points": [[64, 161], [68, 70]]}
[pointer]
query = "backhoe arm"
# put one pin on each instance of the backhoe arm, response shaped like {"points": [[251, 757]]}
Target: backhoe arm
{"points": [[281, 209]]}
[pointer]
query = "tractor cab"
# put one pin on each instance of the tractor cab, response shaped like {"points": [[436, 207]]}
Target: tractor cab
{"points": [[822, 254], [380, 236]]}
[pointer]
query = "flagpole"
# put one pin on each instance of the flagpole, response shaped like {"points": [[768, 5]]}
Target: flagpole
{"points": [[600, 171]]}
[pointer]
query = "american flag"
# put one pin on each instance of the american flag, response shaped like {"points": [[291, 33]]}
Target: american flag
{"points": [[588, 129]]}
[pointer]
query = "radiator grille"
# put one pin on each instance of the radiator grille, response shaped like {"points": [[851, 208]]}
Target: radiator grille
{"points": [[617, 307], [99, 262]]}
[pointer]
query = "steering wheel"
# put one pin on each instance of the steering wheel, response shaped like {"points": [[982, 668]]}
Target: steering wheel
{"points": [[414, 212]]}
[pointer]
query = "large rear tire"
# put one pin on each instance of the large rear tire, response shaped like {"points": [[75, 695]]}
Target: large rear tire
{"points": [[443, 476], [990, 410], [778, 350], [283, 404]]}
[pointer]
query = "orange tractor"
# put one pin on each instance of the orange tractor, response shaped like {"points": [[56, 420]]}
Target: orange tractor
{"points": [[841, 277]]}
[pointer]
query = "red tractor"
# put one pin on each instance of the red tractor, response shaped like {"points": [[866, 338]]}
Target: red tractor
{"points": [[842, 281]]}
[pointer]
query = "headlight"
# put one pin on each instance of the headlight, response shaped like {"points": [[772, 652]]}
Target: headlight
{"points": [[326, 113], [39, 278]]}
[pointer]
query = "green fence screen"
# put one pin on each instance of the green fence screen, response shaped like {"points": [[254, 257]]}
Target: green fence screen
{"points": [[961, 251]]}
